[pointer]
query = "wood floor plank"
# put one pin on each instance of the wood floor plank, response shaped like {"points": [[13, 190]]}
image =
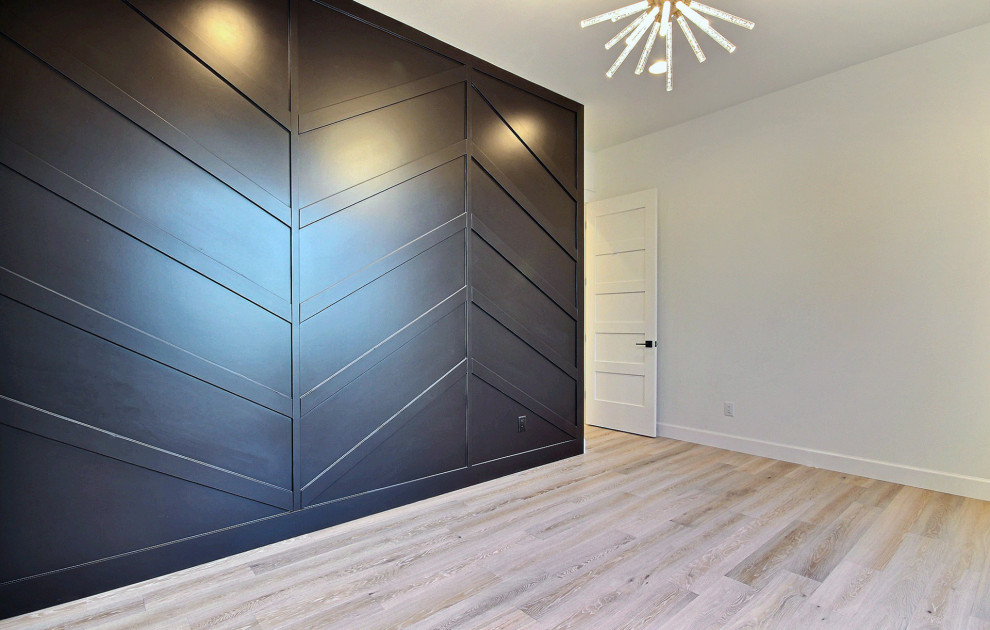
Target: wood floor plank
{"points": [[715, 607], [640, 602], [667, 545], [775, 603], [893, 596], [825, 551], [876, 547], [637, 533], [765, 563], [842, 590], [950, 598]]}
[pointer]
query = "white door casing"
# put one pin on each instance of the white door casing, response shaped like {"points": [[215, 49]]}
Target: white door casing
{"points": [[621, 308]]}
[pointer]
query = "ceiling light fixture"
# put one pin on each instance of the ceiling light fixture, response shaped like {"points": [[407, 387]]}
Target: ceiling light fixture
{"points": [[656, 19]]}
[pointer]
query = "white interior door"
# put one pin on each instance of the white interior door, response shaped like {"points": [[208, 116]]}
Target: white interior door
{"points": [[621, 308]]}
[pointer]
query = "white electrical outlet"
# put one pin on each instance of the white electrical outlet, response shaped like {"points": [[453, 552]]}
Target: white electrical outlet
{"points": [[729, 409]]}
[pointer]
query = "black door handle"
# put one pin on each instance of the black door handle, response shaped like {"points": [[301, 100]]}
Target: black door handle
{"points": [[648, 344]]}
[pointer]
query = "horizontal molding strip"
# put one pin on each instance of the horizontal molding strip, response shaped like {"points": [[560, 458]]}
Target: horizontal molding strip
{"points": [[627, 286], [78, 194], [621, 328], [227, 72], [338, 112], [344, 199], [541, 155], [337, 292], [133, 110], [486, 374], [619, 367], [68, 311], [347, 374], [52, 426], [516, 259], [523, 333], [332, 473], [521, 199]]}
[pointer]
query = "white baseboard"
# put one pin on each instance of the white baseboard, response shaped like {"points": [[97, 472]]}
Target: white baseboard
{"points": [[939, 481]]}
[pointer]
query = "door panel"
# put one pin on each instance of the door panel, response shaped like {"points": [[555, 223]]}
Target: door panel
{"points": [[622, 306]]}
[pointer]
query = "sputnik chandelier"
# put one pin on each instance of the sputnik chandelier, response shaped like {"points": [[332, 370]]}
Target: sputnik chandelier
{"points": [[657, 17]]}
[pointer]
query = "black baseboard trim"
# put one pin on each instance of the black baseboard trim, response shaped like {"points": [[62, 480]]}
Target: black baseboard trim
{"points": [[17, 598]]}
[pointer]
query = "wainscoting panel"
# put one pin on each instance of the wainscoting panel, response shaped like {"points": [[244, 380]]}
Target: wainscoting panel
{"points": [[266, 266]]}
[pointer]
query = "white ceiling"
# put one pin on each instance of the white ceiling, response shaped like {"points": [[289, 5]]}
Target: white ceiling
{"points": [[794, 41]]}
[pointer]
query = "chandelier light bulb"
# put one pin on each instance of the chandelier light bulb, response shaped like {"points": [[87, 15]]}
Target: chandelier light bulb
{"points": [[656, 17], [659, 67]]}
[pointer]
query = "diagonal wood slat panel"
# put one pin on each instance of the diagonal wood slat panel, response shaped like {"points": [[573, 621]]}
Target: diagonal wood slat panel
{"points": [[376, 185], [520, 263], [266, 266], [524, 333], [536, 121], [525, 272], [129, 53], [500, 383], [493, 430], [70, 373], [340, 245], [363, 104], [368, 274], [340, 379], [521, 300], [135, 112], [332, 44], [259, 71], [331, 482], [133, 504], [516, 194], [506, 354], [355, 150], [355, 324], [383, 268], [105, 327], [334, 427], [39, 243], [137, 171], [55, 181], [104, 443], [430, 442], [510, 156]]}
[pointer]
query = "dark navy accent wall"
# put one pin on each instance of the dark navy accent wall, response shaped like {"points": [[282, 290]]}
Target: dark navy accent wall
{"points": [[247, 294]]}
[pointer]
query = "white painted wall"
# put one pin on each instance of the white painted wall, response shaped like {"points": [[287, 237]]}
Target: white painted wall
{"points": [[825, 264], [589, 177]]}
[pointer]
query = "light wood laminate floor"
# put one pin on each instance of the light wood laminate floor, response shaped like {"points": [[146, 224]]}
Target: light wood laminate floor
{"points": [[637, 533]]}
